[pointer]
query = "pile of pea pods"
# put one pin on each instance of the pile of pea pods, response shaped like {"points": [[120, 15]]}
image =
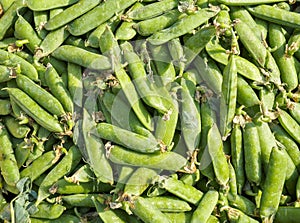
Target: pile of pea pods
{"points": [[130, 111]]}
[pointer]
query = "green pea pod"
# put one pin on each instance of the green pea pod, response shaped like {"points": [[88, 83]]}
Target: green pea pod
{"points": [[273, 185], [83, 174], [44, 5], [242, 203], [294, 109], [5, 74], [191, 178], [183, 26], [5, 107], [22, 151], [179, 217], [13, 126], [81, 43], [235, 216], [291, 176], [267, 98], [79, 200], [289, 124], [49, 211], [169, 204], [40, 18], [293, 43], [126, 31], [245, 94], [287, 214], [167, 160], [247, 2], [103, 12], [75, 86], [31, 108], [62, 218]]}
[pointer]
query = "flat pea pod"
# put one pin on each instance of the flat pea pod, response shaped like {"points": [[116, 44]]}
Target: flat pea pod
{"points": [[40, 165], [287, 214], [15, 129], [289, 124], [152, 10], [126, 138], [147, 212], [40, 95], [103, 12], [81, 57], [63, 218], [45, 5], [5, 74], [169, 204], [182, 27], [30, 107], [153, 25], [205, 207], [5, 107], [276, 15], [166, 161], [59, 89], [273, 185], [48, 211], [12, 60], [215, 149], [70, 14], [252, 152], [65, 165], [8, 164]]}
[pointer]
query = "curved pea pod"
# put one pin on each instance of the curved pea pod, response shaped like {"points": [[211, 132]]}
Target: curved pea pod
{"points": [[273, 184], [139, 181], [5, 74], [242, 203], [291, 176], [17, 130], [245, 94], [289, 124], [62, 218], [244, 67], [166, 161], [40, 18], [8, 164], [79, 200], [31, 108], [247, 2], [5, 107], [82, 57], [177, 54], [169, 204], [83, 174], [45, 5], [126, 31], [235, 216], [273, 69], [75, 85], [153, 25], [287, 214], [294, 109], [48, 211], [293, 43], [66, 165], [104, 11], [252, 152], [40, 95], [267, 97], [183, 26], [218, 158], [126, 138], [70, 14], [12, 60], [22, 151]]}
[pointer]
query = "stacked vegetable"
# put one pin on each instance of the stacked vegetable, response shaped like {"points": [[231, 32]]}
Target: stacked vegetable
{"points": [[151, 111]]}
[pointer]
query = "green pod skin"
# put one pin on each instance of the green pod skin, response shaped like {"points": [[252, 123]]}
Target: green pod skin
{"points": [[184, 191], [109, 45], [205, 207], [291, 176], [192, 75], [177, 53], [81, 57], [289, 124], [40, 18], [263, 27], [12, 60], [139, 181], [276, 15], [247, 2], [62, 218], [6, 42], [252, 152], [79, 200], [236, 216], [237, 156], [24, 30], [70, 13], [191, 178], [228, 97], [242, 203], [183, 26], [245, 94], [190, 116], [286, 65], [8, 18], [156, 24], [58, 89], [83, 174], [18, 113], [169, 204], [267, 98], [126, 138], [55, 11], [5, 74], [103, 12], [40, 95], [273, 185], [8, 164], [294, 109], [167, 160], [147, 212], [32, 109], [48, 211], [75, 85], [126, 31], [293, 43], [152, 10], [65, 166], [15, 129], [51, 42], [124, 172], [79, 42], [218, 158], [40, 165], [287, 214], [22, 152], [45, 5], [5, 4], [196, 43], [180, 217], [5, 107], [233, 189], [244, 67]]}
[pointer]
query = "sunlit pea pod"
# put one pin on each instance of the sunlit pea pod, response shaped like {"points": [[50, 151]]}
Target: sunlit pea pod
{"points": [[5, 107], [243, 204], [294, 109], [104, 11], [12, 60], [40, 18], [235, 216], [49, 211], [245, 94], [273, 185], [177, 217], [79, 200], [244, 67], [273, 71], [289, 124], [183, 26], [13, 126], [75, 86], [109, 45], [126, 31], [6, 3], [169, 204], [81, 43], [233, 189], [247, 2], [62, 218], [165, 161], [83, 174], [45, 5], [293, 44], [30, 107]]}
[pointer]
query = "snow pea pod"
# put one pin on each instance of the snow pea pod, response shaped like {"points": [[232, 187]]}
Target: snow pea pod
{"points": [[169, 204], [46, 5]]}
